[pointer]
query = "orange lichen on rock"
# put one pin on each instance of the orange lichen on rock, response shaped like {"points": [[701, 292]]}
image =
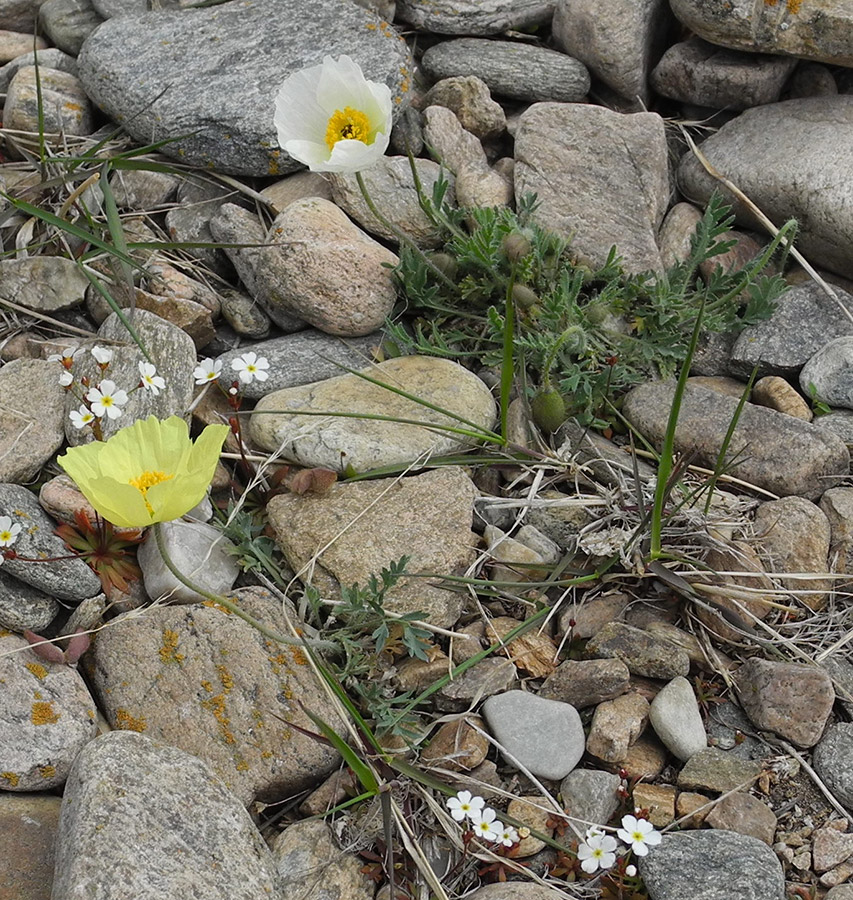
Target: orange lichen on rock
{"points": [[126, 722], [43, 713], [47, 771], [169, 650], [37, 669], [11, 778]]}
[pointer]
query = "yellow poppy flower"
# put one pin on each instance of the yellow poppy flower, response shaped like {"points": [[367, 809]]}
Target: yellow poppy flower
{"points": [[149, 472]]}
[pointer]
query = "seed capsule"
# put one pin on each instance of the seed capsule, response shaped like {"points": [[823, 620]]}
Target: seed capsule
{"points": [[548, 409], [523, 296], [516, 247]]}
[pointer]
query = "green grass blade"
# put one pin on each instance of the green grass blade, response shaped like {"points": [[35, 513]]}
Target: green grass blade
{"points": [[361, 770]]}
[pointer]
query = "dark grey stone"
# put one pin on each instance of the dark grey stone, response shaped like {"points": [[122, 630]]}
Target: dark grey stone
{"points": [[829, 373], [64, 579], [697, 72], [69, 22], [712, 865], [480, 17], [24, 607], [804, 321], [305, 357], [772, 450], [216, 72], [519, 71], [161, 818], [831, 760]]}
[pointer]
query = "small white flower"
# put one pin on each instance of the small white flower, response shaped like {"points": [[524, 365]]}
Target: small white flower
{"points": [[508, 836], [597, 853], [465, 805], [250, 366], [639, 833], [630, 871], [103, 356], [106, 400], [332, 118], [151, 381], [9, 531], [594, 831], [82, 417], [67, 354], [66, 379], [207, 370], [486, 825]]}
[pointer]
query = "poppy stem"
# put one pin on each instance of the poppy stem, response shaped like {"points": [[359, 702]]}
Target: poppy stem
{"points": [[402, 237], [231, 606]]}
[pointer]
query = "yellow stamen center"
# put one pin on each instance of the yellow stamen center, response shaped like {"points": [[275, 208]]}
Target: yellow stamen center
{"points": [[347, 124], [147, 480], [5, 536]]}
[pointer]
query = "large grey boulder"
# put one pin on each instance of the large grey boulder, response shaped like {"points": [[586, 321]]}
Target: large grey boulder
{"points": [[210, 76]]}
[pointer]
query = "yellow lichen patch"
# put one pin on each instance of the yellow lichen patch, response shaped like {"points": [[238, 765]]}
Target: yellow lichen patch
{"points": [[207, 686], [11, 778], [126, 722], [4, 633], [37, 669], [225, 678], [770, 2], [794, 6], [242, 765], [43, 713], [216, 705], [168, 652], [298, 656], [47, 771], [214, 605], [37, 695], [266, 754]]}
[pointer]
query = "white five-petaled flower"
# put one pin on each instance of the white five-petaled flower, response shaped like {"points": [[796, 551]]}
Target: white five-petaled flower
{"points": [[639, 833], [597, 853], [332, 118], [630, 871], [66, 356], [82, 417], [250, 366], [9, 531], [508, 836], [207, 370], [102, 355], [465, 805], [106, 400], [66, 378], [486, 825], [151, 381]]}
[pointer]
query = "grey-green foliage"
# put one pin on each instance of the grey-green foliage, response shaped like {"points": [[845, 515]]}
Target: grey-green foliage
{"points": [[590, 333]]}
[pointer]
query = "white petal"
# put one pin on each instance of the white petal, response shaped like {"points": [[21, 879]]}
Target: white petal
{"points": [[354, 156], [298, 115], [342, 83], [313, 154], [589, 865]]}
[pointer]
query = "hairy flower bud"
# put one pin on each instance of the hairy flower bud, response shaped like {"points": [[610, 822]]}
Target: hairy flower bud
{"points": [[523, 296], [516, 247], [548, 409]]}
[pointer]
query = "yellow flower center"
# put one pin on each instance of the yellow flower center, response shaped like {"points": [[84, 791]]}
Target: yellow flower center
{"points": [[5, 536], [106, 400], [147, 480], [347, 124]]}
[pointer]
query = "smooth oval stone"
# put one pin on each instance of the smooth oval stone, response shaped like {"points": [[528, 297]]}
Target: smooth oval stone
{"points": [[780, 453], [365, 443], [210, 76], [674, 715], [793, 160], [473, 16], [817, 29]]}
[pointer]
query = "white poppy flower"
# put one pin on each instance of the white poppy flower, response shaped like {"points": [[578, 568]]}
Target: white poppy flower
{"points": [[332, 118]]}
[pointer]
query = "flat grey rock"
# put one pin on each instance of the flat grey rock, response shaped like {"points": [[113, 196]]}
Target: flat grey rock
{"points": [[590, 796], [162, 819], [203, 680], [47, 716], [69, 22], [32, 417], [712, 865], [804, 321], [510, 69], [831, 759], [695, 71], [473, 16], [44, 283], [28, 824], [608, 185], [63, 579], [780, 453], [304, 358], [24, 607], [829, 373], [793, 160], [821, 31], [216, 72], [545, 736]]}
